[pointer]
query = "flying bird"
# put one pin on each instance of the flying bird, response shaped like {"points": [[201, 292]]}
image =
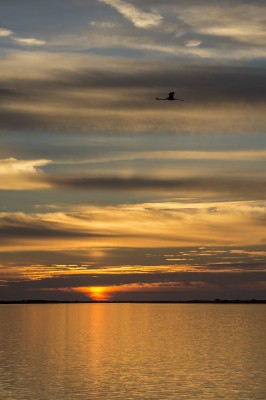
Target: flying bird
{"points": [[170, 97]]}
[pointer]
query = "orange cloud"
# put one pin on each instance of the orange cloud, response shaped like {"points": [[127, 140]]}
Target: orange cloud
{"points": [[143, 225]]}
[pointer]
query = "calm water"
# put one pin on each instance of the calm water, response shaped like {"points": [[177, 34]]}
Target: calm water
{"points": [[132, 351]]}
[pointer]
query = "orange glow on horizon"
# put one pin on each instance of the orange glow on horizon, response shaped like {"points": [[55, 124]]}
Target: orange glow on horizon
{"points": [[105, 293]]}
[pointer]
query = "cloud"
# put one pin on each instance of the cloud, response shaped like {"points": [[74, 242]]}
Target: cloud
{"points": [[29, 41], [11, 165], [236, 187], [102, 24], [139, 18], [5, 32], [126, 273], [53, 93], [127, 43], [193, 43], [26, 175], [239, 29], [240, 155], [22, 174], [203, 271], [242, 22], [24, 226], [131, 226], [154, 284], [20, 40]]}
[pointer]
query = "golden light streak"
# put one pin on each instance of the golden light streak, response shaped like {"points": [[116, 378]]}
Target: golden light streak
{"points": [[39, 272], [240, 155]]}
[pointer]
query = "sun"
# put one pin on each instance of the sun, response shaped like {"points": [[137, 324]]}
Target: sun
{"points": [[96, 293]]}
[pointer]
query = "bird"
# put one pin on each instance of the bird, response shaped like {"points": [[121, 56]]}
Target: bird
{"points": [[170, 97]]}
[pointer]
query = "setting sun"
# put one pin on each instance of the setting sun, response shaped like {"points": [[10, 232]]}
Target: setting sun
{"points": [[97, 293]]}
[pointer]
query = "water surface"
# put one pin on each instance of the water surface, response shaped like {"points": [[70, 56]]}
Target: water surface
{"points": [[132, 351]]}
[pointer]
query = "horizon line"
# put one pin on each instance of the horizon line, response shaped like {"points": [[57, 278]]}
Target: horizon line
{"points": [[195, 301]]}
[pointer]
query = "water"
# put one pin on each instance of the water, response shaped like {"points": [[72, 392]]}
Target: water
{"points": [[132, 351]]}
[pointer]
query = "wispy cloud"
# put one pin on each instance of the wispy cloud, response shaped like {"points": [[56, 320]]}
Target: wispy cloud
{"points": [[243, 23], [193, 43], [5, 32], [29, 41], [139, 18], [142, 225], [102, 24], [175, 155]]}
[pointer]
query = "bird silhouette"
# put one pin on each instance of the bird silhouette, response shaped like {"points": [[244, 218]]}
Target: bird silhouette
{"points": [[170, 97]]}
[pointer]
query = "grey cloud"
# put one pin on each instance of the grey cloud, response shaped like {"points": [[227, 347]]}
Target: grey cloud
{"points": [[217, 258], [233, 186], [219, 279], [105, 99], [202, 82], [15, 120], [14, 227], [6, 93], [241, 267], [13, 232], [198, 82]]}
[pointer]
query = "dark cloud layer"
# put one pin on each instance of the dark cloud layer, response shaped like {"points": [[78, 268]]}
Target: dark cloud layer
{"points": [[72, 281], [198, 82], [188, 286], [121, 98], [41, 232], [206, 83], [14, 228], [211, 185]]}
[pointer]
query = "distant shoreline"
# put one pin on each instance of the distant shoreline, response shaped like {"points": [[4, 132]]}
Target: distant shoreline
{"points": [[217, 301]]}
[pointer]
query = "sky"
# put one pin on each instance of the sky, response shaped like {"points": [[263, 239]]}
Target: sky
{"points": [[109, 194]]}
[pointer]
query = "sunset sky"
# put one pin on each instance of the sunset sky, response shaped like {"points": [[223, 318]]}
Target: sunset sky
{"points": [[108, 194]]}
